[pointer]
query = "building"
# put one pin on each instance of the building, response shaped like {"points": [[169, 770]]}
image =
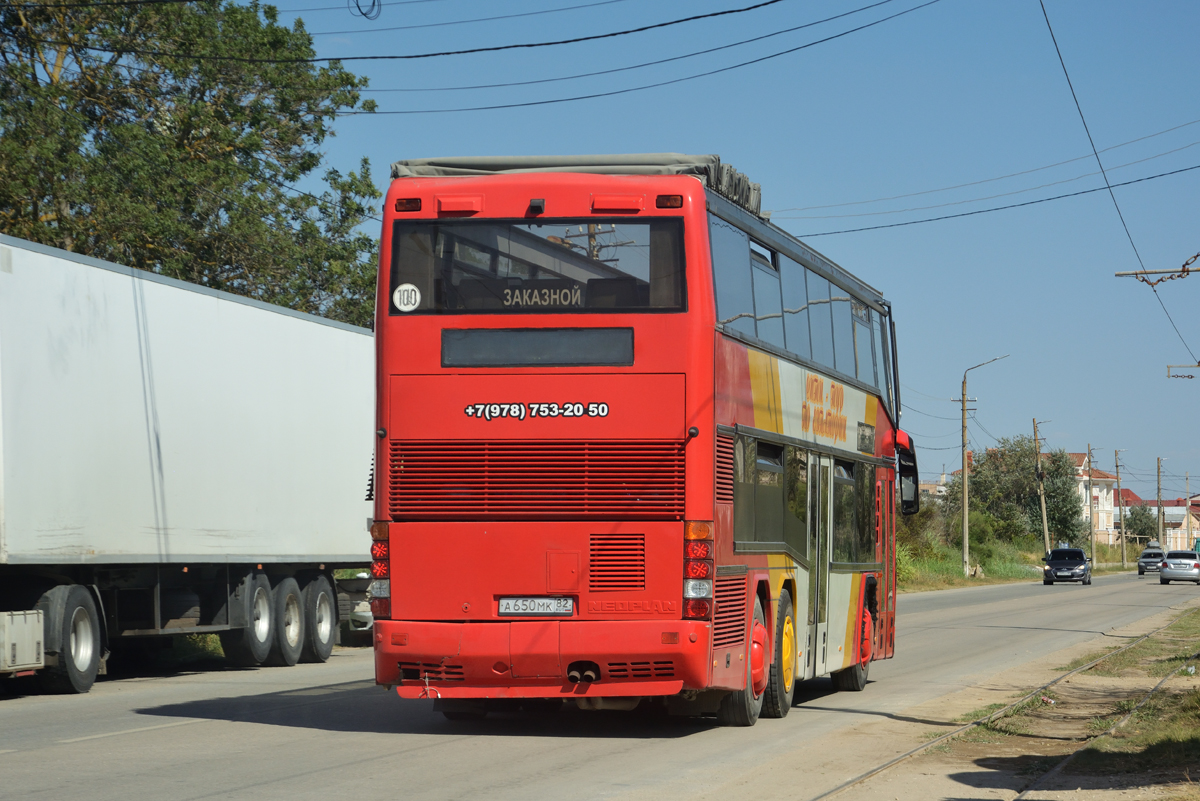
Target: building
{"points": [[1097, 490]]}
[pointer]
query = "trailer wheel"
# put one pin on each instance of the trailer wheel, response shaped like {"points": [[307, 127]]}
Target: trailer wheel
{"points": [[781, 684], [72, 613], [250, 646], [320, 620], [289, 623], [742, 707]]}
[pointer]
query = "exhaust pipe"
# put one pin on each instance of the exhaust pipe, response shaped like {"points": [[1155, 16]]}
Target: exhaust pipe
{"points": [[583, 672], [589, 675], [573, 676]]}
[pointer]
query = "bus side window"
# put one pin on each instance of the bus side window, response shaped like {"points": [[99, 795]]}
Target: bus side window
{"points": [[768, 307], [863, 351], [731, 276], [843, 330], [845, 513], [821, 319], [795, 307], [744, 457], [864, 492], [883, 364], [795, 518], [768, 493]]}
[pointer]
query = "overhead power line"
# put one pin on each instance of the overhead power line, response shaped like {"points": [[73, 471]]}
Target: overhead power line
{"points": [[111, 3], [614, 92], [977, 183], [468, 21], [1001, 208], [644, 64], [133, 51], [1091, 142], [986, 197]]}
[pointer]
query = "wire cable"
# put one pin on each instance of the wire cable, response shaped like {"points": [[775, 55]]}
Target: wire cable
{"points": [[986, 197], [632, 67], [467, 21], [1181, 339], [410, 56], [644, 87], [1000, 208], [985, 180], [1079, 108]]}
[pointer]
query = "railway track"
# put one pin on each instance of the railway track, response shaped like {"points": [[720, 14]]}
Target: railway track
{"points": [[1019, 703]]}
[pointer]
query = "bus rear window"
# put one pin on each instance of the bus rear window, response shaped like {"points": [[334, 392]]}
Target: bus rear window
{"points": [[490, 266]]}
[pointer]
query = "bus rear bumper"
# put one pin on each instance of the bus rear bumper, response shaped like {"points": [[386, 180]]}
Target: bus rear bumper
{"points": [[530, 659]]}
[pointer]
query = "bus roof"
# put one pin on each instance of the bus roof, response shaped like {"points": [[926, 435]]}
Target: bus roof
{"points": [[722, 178]]}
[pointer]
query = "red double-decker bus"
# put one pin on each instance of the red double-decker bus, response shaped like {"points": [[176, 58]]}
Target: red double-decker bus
{"points": [[636, 444]]}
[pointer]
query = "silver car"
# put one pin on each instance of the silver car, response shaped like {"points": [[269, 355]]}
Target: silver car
{"points": [[1179, 566], [1149, 561]]}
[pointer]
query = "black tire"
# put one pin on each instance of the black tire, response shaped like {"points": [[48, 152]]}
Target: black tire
{"points": [[1047, 582], [854, 678], [1088, 581], [781, 682], [1164, 581], [320, 620], [1141, 572], [288, 610], [251, 646], [69, 613], [742, 707]]}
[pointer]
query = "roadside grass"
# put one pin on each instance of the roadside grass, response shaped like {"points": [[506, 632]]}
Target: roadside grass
{"points": [[1162, 735], [189, 648]]}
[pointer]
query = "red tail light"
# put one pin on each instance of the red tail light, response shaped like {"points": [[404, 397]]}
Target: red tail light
{"points": [[698, 570], [380, 570], [379, 550], [1164, 564], [408, 204], [381, 607], [669, 201]]}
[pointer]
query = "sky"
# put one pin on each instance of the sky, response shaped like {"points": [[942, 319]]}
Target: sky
{"points": [[953, 93]]}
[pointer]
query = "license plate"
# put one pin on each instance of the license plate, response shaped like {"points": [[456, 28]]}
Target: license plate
{"points": [[1064, 572], [537, 606]]}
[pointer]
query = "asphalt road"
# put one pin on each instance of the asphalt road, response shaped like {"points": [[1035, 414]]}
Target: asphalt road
{"points": [[325, 731]]}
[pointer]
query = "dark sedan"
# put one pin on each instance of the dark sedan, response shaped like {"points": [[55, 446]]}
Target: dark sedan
{"points": [[1067, 564]]}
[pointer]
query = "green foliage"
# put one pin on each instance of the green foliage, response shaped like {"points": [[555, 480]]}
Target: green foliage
{"points": [[1003, 489], [154, 158], [1140, 523]]}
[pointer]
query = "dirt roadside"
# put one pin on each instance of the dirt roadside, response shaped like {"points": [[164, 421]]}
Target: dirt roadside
{"points": [[993, 763]]}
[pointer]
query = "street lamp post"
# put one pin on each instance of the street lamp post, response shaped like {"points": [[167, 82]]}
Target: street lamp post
{"points": [[966, 480]]}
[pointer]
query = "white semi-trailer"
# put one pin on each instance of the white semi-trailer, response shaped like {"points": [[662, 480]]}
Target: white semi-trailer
{"points": [[173, 460]]}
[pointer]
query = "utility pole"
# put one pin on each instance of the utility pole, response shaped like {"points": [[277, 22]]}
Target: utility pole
{"points": [[1120, 517], [1041, 477], [1187, 506], [965, 482], [1091, 507], [1160, 511], [965, 471]]}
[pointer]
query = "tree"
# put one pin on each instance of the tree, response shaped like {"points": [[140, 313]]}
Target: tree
{"points": [[1004, 488], [1140, 524], [128, 133]]}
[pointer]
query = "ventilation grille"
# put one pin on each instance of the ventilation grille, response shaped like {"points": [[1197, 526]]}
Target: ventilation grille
{"points": [[617, 562], [729, 622], [724, 469], [536, 480], [425, 671], [641, 670]]}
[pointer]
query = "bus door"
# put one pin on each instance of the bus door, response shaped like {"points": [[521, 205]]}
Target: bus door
{"points": [[820, 484]]}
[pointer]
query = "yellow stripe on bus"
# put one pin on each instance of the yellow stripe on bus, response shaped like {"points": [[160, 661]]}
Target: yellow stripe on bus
{"points": [[852, 621], [764, 386]]}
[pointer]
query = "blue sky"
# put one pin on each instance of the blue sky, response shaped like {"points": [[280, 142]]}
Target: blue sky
{"points": [[961, 91]]}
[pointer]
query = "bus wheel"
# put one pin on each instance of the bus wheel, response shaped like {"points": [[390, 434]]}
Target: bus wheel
{"points": [[854, 678], [742, 707], [782, 684], [72, 612], [320, 620], [251, 645]]}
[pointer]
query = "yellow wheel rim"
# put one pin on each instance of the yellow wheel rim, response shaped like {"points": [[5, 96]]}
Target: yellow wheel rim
{"points": [[788, 645]]}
